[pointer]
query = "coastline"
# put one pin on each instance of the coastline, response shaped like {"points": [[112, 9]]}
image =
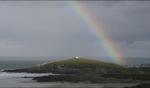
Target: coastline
{"points": [[20, 81], [83, 72], [82, 78], [82, 84]]}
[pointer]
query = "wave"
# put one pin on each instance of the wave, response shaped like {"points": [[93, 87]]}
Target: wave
{"points": [[6, 75]]}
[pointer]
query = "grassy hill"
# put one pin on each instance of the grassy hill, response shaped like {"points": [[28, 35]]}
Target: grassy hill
{"points": [[78, 63], [74, 65]]}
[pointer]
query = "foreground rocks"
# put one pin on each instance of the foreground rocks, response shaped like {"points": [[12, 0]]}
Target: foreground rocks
{"points": [[81, 78], [144, 85]]}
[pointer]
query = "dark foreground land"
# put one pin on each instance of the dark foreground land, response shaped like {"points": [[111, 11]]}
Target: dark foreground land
{"points": [[81, 78], [143, 85], [90, 71]]}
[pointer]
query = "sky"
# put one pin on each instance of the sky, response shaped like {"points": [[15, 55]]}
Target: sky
{"points": [[53, 28]]}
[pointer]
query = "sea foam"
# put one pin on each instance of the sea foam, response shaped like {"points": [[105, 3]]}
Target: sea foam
{"points": [[5, 75]]}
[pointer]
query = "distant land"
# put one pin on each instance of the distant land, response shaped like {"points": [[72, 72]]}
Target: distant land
{"points": [[88, 70], [74, 63], [130, 60]]}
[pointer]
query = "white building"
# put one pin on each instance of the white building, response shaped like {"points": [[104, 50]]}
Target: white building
{"points": [[77, 57]]}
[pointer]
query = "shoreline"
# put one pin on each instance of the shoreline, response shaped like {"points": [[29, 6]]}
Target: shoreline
{"points": [[82, 84], [20, 81], [76, 78], [88, 72], [28, 82]]}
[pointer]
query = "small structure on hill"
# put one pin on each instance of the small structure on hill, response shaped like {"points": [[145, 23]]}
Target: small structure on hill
{"points": [[77, 57]]}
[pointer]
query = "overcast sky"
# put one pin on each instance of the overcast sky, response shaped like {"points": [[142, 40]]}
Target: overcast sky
{"points": [[53, 28]]}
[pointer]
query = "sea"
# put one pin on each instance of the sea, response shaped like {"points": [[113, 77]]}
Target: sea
{"points": [[17, 80]]}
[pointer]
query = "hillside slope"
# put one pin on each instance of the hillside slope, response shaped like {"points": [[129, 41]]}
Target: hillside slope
{"points": [[73, 65], [79, 63]]}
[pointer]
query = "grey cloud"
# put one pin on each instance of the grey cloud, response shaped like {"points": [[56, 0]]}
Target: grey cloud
{"points": [[54, 28], [126, 20]]}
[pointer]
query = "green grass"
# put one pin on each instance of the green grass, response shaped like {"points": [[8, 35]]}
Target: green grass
{"points": [[80, 63]]}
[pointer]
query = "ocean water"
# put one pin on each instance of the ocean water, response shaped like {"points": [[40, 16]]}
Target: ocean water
{"points": [[16, 80], [14, 64], [17, 62]]}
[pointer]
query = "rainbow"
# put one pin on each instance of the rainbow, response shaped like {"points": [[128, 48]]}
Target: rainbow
{"points": [[104, 38]]}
